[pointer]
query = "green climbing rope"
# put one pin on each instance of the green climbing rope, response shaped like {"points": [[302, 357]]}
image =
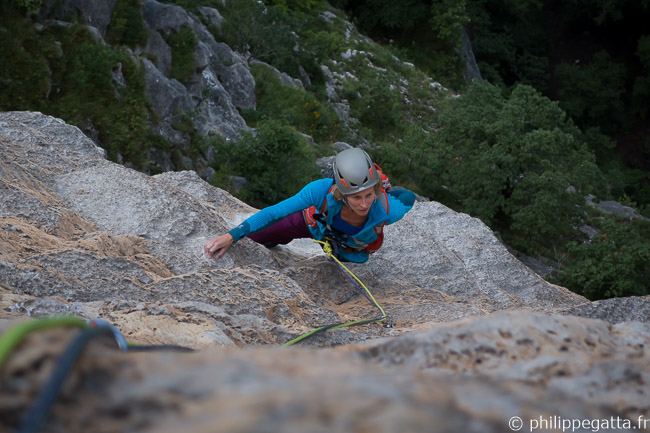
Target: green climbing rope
{"points": [[12, 338]]}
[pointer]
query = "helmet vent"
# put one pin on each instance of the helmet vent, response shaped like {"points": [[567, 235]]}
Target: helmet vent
{"points": [[349, 167]]}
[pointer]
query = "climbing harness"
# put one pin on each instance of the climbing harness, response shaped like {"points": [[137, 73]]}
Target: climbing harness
{"points": [[329, 247], [313, 217], [90, 329]]}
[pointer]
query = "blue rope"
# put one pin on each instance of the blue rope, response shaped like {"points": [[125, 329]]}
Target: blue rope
{"points": [[39, 412]]}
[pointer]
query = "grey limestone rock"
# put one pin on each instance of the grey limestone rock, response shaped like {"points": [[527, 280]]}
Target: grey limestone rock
{"points": [[165, 18], [614, 208], [96, 14], [160, 51], [167, 96], [221, 84], [213, 96], [212, 16], [616, 310], [285, 78], [478, 337]]}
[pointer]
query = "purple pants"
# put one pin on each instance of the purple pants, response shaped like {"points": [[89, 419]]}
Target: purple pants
{"points": [[284, 231]]}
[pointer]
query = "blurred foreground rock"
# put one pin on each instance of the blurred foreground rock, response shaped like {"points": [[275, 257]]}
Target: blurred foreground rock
{"points": [[479, 338]]}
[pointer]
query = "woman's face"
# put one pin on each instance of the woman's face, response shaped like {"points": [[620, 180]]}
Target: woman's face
{"points": [[360, 202]]}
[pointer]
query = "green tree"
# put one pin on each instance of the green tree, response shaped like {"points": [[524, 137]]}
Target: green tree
{"points": [[297, 107], [641, 91], [605, 11], [509, 41], [592, 92], [126, 26], [415, 160], [276, 162], [298, 5], [387, 17], [27, 6], [265, 32], [448, 18], [615, 263], [25, 76], [182, 44], [514, 159]]}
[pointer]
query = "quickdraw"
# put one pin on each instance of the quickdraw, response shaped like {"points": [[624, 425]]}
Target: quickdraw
{"points": [[328, 249]]}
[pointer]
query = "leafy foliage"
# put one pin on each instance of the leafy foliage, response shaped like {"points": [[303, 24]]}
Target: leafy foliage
{"points": [[448, 18], [589, 55], [416, 161], [27, 6], [379, 94], [512, 160], [508, 44], [126, 26], [605, 11], [428, 30], [591, 92], [323, 44], [641, 90], [374, 102], [276, 162], [263, 32], [65, 72], [297, 5], [194, 5], [290, 35], [298, 108], [615, 263], [182, 44], [386, 16], [24, 74], [88, 93]]}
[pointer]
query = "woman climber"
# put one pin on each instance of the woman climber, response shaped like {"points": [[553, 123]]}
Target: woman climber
{"points": [[349, 211]]}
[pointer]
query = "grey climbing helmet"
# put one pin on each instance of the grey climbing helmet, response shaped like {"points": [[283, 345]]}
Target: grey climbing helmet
{"points": [[354, 171]]}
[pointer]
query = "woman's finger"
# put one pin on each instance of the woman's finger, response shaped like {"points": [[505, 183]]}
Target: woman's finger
{"points": [[209, 249], [217, 246]]}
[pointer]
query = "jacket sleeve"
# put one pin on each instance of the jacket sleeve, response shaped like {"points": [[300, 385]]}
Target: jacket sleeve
{"points": [[313, 194], [400, 201]]}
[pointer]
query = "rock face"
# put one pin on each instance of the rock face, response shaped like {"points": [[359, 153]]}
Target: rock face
{"points": [[221, 84], [219, 87], [96, 14], [478, 337]]}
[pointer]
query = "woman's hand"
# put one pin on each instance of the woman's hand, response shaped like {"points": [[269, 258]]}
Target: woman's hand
{"points": [[218, 246]]}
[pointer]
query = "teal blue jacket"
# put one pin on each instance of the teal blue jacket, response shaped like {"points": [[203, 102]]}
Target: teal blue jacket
{"points": [[314, 194]]}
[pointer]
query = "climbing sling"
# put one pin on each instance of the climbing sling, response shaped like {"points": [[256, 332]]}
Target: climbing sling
{"points": [[328, 249]]}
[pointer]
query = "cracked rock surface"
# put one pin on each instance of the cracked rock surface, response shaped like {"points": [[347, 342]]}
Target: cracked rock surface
{"points": [[478, 336]]}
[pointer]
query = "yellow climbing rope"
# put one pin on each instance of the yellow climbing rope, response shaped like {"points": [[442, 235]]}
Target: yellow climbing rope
{"points": [[327, 248]]}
